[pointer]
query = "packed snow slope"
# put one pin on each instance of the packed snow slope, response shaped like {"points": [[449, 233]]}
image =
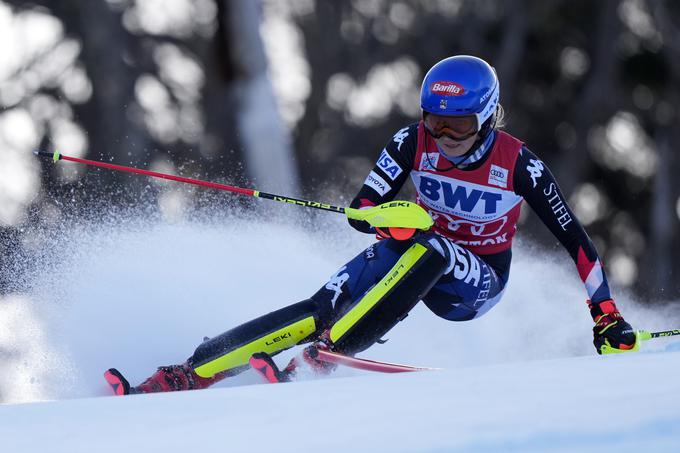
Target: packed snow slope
{"points": [[136, 294], [579, 404]]}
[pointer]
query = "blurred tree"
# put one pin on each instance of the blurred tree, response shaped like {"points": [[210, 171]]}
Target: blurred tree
{"points": [[663, 264], [114, 60], [269, 157]]}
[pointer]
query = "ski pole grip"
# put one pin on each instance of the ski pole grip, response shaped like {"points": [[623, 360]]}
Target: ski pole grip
{"points": [[644, 335], [55, 155]]}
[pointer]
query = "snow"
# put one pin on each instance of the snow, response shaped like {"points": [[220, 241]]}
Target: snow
{"points": [[136, 294], [585, 403]]}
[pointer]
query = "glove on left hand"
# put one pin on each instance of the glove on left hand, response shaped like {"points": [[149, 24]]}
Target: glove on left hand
{"points": [[610, 327]]}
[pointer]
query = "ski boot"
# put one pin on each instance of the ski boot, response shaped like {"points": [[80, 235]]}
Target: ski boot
{"points": [[263, 364], [166, 379]]}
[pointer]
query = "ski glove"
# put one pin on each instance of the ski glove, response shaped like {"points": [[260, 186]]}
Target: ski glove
{"points": [[400, 234], [611, 330]]}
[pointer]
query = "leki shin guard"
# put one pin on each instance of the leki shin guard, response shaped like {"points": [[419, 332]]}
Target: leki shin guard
{"points": [[271, 333], [390, 300]]}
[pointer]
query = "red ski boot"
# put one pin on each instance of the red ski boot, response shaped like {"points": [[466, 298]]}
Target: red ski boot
{"points": [[263, 364], [166, 379]]}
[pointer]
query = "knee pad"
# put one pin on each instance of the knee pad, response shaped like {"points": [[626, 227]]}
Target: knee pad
{"points": [[390, 300], [271, 333]]}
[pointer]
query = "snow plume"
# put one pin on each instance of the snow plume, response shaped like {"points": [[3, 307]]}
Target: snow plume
{"points": [[135, 292], [26, 352]]}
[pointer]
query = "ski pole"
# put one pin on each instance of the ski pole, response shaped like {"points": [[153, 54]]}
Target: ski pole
{"points": [[56, 156], [640, 336], [402, 214]]}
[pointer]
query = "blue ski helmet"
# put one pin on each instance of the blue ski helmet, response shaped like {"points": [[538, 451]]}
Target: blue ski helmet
{"points": [[462, 85]]}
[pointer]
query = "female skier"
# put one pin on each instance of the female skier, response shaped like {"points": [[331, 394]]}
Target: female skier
{"points": [[471, 178]]}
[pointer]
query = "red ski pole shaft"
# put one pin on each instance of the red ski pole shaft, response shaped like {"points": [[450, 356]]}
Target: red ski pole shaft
{"points": [[197, 182]]}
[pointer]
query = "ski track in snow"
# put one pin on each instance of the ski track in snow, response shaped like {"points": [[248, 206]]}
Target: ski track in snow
{"points": [[138, 294]]}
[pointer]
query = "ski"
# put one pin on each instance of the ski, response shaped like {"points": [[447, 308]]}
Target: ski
{"points": [[364, 364], [264, 365]]}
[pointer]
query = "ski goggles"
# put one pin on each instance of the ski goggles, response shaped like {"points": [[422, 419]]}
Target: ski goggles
{"points": [[458, 128]]}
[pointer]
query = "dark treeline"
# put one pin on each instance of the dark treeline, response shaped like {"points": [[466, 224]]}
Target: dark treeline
{"points": [[591, 87]]}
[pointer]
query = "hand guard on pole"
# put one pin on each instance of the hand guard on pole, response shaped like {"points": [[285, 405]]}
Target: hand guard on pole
{"points": [[611, 333], [395, 219]]}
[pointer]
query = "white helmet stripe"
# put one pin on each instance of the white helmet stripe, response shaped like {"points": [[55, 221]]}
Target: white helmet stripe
{"points": [[490, 107]]}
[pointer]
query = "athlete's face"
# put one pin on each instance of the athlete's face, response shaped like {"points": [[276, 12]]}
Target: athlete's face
{"points": [[455, 148]]}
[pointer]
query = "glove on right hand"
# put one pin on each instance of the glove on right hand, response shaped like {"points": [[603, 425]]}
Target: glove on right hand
{"points": [[400, 234]]}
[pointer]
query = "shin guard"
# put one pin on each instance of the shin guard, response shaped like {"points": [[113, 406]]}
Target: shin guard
{"points": [[390, 300], [271, 333]]}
